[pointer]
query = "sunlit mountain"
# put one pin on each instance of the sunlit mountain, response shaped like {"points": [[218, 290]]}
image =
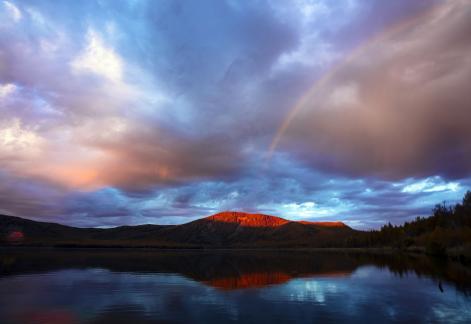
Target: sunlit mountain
{"points": [[226, 229]]}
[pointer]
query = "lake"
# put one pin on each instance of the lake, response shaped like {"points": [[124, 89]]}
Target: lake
{"points": [[145, 286]]}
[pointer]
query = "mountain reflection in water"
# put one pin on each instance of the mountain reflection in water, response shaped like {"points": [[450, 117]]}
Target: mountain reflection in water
{"points": [[90, 286]]}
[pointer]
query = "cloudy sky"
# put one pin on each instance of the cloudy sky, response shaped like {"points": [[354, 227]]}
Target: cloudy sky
{"points": [[132, 112]]}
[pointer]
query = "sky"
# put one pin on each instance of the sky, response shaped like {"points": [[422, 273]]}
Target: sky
{"points": [[162, 112]]}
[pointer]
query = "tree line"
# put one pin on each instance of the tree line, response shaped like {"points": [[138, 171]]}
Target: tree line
{"points": [[447, 230]]}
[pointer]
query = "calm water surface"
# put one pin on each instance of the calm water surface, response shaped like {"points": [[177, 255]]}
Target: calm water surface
{"points": [[46, 286]]}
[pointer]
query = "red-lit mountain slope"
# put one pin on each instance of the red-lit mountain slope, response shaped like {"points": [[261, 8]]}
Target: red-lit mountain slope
{"points": [[226, 229]]}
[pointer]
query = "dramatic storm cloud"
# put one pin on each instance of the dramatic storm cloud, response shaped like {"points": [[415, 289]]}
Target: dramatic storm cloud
{"points": [[131, 112], [399, 105]]}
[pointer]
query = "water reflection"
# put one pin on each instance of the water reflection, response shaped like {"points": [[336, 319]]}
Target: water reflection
{"points": [[51, 286]]}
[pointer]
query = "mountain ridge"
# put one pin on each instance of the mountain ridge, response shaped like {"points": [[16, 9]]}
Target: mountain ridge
{"points": [[264, 220], [224, 229]]}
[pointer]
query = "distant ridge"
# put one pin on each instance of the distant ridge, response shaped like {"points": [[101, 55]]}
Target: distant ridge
{"points": [[223, 230], [246, 219], [262, 220]]}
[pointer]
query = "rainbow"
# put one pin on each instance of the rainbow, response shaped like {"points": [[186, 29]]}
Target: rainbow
{"points": [[357, 52]]}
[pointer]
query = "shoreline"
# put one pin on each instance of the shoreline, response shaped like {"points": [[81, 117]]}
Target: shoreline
{"points": [[459, 254], [381, 250]]}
